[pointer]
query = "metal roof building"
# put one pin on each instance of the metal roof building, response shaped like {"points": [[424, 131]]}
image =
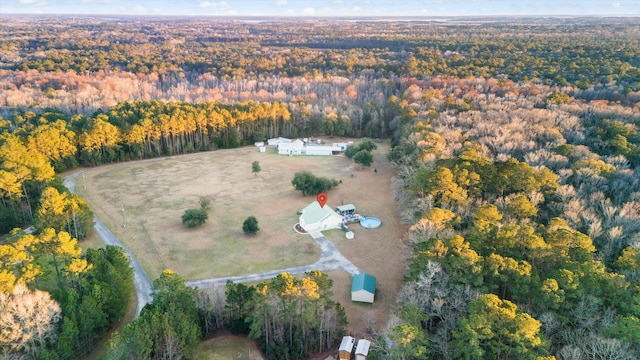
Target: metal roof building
{"points": [[346, 209], [363, 288], [362, 350], [321, 150], [346, 348], [316, 217], [291, 148]]}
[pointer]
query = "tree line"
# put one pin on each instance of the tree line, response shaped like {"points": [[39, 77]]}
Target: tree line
{"points": [[598, 52]]}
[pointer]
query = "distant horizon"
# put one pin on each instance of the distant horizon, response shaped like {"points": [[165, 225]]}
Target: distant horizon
{"points": [[294, 17], [323, 8]]}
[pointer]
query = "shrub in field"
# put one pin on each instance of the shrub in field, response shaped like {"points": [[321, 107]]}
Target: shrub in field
{"points": [[194, 217], [250, 226]]}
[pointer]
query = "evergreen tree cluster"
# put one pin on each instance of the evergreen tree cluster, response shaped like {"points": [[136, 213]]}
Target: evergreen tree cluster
{"points": [[361, 153], [167, 328], [291, 318], [310, 184]]}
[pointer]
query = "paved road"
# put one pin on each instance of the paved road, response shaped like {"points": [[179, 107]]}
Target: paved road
{"points": [[140, 279], [330, 259]]}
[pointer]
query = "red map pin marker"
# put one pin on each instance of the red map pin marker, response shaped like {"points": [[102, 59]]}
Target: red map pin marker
{"points": [[322, 199]]}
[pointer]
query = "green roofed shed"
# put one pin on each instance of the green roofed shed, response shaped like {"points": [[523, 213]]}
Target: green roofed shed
{"points": [[363, 288]]}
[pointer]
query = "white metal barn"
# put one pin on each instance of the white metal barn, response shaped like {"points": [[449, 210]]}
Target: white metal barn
{"points": [[322, 150], [316, 217], [342, 146], [292, 148], [362, 350], [277, 141]]}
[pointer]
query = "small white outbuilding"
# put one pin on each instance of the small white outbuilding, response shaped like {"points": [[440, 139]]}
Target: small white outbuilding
{"points": [[362, 350], [346, 348]]}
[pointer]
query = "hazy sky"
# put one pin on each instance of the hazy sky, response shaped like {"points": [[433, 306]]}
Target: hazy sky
{"points": [[324, 7]]}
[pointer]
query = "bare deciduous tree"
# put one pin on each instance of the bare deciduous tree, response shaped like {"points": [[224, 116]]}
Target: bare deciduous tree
{"points": [[28, 321]]}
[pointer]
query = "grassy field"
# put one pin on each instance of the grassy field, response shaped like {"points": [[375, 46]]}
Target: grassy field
{"points": [[155, 193]]}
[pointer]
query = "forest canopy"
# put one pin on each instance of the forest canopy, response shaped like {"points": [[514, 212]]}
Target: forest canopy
{"points": [[515, 144]]}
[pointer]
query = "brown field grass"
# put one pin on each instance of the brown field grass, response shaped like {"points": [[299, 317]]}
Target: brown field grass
{"points": [[155, 193], [226, 347]]}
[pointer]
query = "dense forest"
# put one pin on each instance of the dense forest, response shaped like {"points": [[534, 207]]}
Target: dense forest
{"points": [[515, 145], [525, 225]]}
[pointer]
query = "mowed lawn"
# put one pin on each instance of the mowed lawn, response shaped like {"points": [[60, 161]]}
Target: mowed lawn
{"points": [[155, 193]]}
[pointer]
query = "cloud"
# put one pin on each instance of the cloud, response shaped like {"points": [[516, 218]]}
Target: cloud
{"points": [[136, 10], [215, 5], [140, 9], [282, 2], [326, 10], [32, 4], [308, 11]]}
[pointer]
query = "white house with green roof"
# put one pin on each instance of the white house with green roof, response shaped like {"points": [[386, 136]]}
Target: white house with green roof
{"points": [[363, 288], [317, 218]]}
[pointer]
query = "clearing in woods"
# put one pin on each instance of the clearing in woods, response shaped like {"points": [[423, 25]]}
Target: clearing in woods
{"points": [[155, 193]]}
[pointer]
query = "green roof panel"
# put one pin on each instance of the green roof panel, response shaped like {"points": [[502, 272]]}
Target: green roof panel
{"points": [[364, 282]]}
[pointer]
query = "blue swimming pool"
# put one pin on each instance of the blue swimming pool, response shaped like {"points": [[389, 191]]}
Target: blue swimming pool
{"points": [[370, 222]]}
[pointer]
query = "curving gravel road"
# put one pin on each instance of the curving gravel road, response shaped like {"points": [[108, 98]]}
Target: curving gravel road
{"points": [[330, 259], [140, 279]]}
